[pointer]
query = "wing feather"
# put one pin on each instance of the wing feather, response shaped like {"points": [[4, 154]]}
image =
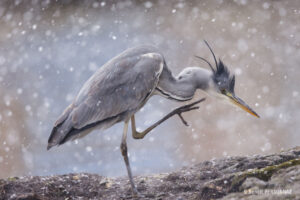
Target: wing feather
{"points": [[120, 86]]}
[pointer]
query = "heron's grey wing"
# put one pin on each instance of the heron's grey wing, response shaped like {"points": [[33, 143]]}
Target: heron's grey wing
{"points": [[113, 93], [122, 88]]}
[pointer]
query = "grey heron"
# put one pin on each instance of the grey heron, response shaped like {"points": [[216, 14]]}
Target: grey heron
{"points": [[118, 89]]}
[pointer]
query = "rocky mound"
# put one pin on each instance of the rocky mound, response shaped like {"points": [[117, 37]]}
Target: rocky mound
{"points": [[274, 176]]}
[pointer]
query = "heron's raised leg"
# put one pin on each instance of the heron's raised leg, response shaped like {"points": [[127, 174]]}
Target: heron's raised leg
{"points": [[177, 111], [125, 156]]}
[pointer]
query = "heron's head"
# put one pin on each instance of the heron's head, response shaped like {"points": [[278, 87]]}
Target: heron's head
{"points": [[223, 83]]}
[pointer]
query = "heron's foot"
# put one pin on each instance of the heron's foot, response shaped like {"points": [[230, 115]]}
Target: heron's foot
{"points": [[177, 111], [187, 108], [136, 193]]}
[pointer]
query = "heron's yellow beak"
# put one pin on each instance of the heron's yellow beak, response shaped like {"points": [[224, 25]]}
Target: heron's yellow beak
{"points": [[240, 103]]}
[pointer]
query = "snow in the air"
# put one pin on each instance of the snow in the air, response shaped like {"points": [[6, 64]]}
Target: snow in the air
{"points": [[49, 49]]}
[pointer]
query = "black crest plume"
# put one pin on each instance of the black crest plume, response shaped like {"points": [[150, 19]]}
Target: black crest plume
{"points": [[221, 74]]}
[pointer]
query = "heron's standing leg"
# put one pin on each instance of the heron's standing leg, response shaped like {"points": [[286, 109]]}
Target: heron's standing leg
{"points": [[125, 156]]}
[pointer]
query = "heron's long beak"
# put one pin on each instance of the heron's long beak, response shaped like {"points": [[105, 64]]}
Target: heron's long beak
{"points": [[240, 103]]}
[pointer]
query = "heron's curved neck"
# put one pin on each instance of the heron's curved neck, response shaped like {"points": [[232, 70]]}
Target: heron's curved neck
{"points": [[183, 86]]}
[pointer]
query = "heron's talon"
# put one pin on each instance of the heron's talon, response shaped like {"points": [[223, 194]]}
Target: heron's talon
{"points": [[183, 120], [194, 108]]}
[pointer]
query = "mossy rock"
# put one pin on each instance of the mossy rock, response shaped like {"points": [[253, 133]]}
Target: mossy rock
{"points": [[263, 174]]}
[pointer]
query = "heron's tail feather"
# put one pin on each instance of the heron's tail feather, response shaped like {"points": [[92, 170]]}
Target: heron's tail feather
{"points": [[61, 128], [64, 130]]}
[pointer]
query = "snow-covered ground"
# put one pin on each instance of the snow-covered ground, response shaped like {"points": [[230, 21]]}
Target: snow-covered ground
{"points": [[48, 50]]}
